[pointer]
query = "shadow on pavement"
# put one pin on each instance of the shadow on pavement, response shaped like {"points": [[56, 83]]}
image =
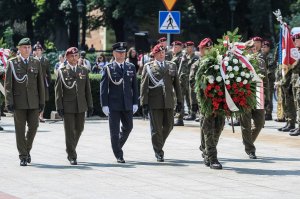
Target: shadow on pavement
{"points": [[167, 162], [270, 172], [117, 165], [262, 159], [50, 166]]}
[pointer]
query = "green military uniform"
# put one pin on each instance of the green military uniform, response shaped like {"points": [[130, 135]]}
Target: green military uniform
{"points": [[191, 59], [159, 96], [250, 133], [73, 97], [271, 68], [25, 95], [183, 72]]}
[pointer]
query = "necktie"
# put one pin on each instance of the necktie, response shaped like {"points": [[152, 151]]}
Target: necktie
{"points": [[162, 64], [121, 66], [26, 61]]}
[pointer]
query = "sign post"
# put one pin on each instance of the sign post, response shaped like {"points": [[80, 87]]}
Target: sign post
{"points": [[169, 4]]}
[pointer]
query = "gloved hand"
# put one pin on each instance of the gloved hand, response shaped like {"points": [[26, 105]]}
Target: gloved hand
{"points": [[145, 109], [10, 108], [135, 108], [60, 112], [178, 107], [41, 107], [105, 110], [195, 107], [90, 111]]}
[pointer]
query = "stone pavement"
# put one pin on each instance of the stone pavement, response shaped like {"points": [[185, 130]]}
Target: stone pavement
{"points": [[275, 174]]}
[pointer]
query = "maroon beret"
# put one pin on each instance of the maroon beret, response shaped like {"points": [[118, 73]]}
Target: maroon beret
{"points": [[266, 43], [205, 43], [189, 43], [71, 51], [178, 43], [162, 39], [296, 36], [158, 48], [257, 39]]}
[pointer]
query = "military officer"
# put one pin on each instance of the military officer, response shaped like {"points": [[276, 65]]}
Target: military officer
{"points": [[119, 98], [271, 67], [25, 96], [249, 132], [179, 58], [45, 64], [296, 70], [159, 78], [191, 59], [72, 99]]}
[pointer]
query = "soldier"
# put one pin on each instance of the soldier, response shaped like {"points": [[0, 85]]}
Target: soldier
{"points": [[159, 78], [72, 99], [25, 96], [119, 98], [163, 41], [250, 133], [180, 60], [84, 62], [296, 70], [191, 59], [45, 64]]}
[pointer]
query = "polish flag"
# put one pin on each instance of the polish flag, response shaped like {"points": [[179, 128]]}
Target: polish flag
{"points": [[289, 53]]}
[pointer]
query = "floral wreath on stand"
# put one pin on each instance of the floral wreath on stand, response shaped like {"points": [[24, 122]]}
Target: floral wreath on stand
{"points": [[226, 81]]}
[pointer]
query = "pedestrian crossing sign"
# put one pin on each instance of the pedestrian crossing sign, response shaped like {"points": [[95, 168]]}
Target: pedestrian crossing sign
{"points": [[169, 22]]}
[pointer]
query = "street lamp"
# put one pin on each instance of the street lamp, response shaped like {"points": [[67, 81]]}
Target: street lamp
{"points": [[232, 6], [79, 6]]}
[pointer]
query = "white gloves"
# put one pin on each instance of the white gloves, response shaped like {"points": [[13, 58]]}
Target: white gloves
{"points": [[135, 108], [105, 110]]}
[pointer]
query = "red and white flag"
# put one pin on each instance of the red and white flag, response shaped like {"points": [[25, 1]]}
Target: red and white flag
{"points": [[289, 52]]}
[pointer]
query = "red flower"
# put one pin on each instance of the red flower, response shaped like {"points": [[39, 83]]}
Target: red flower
{"points": [[241, 93], [235, 99], [217, 87], [220, 93], [228, 87], [209, 87], [241, 84], [247, 86], [225, 106], [236, 91], [234, 85]]}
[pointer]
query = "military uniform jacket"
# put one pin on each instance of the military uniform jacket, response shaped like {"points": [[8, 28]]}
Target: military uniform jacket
{"points": [[262, 67], [24, 85], [182, 66], [46, 75], [161, 97], [73, 89], [123, 96]]}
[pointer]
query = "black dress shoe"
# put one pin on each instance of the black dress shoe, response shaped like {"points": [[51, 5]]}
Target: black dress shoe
{"points": [[215, 164], [28, 158], [288, 128], [160, 158], [268, 117], [252, 155], [179, 123], [1, 128], [280, 129], [120, 160], [73, 161], [23, 162], [280, 120], [197, 119], [190, 117], [293, 130], [295, 133], [206, 162], [235, 123]]}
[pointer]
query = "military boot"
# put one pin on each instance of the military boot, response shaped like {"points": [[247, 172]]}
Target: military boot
{"points": [[215, 164], [235, 123], [268, 117], [178, 123], [289, 127], [280, 129], [206, 161], [295, 133], [293, 130], [190, 117]]}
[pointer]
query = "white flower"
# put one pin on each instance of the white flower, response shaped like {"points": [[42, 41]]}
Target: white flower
{"points": [[226, 63], [226, 76], [229, 68], [243, 73], [211, 79], [226, 58], [251, 74], [227, 82], [216, 67], [219, 79], [245, 81], [247, 75], [236, 68], [238, 79], [235, 61], [244, 65], [231, 75]]}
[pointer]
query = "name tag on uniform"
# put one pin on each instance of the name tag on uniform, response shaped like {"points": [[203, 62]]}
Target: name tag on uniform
{"points": [[130, 73]]}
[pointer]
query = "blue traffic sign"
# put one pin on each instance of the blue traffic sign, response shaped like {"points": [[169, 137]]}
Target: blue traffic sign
{"points": [[169, 22]]}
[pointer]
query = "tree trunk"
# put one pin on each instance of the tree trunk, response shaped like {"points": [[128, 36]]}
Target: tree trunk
{"points": [[118, 27]]}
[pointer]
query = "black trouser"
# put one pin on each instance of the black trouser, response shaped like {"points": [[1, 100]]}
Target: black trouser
{"points": [[117, 137]]}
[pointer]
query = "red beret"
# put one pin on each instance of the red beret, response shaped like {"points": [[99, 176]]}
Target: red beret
{"points": [[158, 48], [205, 43], [161, 40], [179, 43], [257, 39], [296, 36], [189, 43], [266, 43], [72, 50]]}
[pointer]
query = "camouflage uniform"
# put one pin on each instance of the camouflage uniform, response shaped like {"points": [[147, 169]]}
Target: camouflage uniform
{"points": [[271, 67]]}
